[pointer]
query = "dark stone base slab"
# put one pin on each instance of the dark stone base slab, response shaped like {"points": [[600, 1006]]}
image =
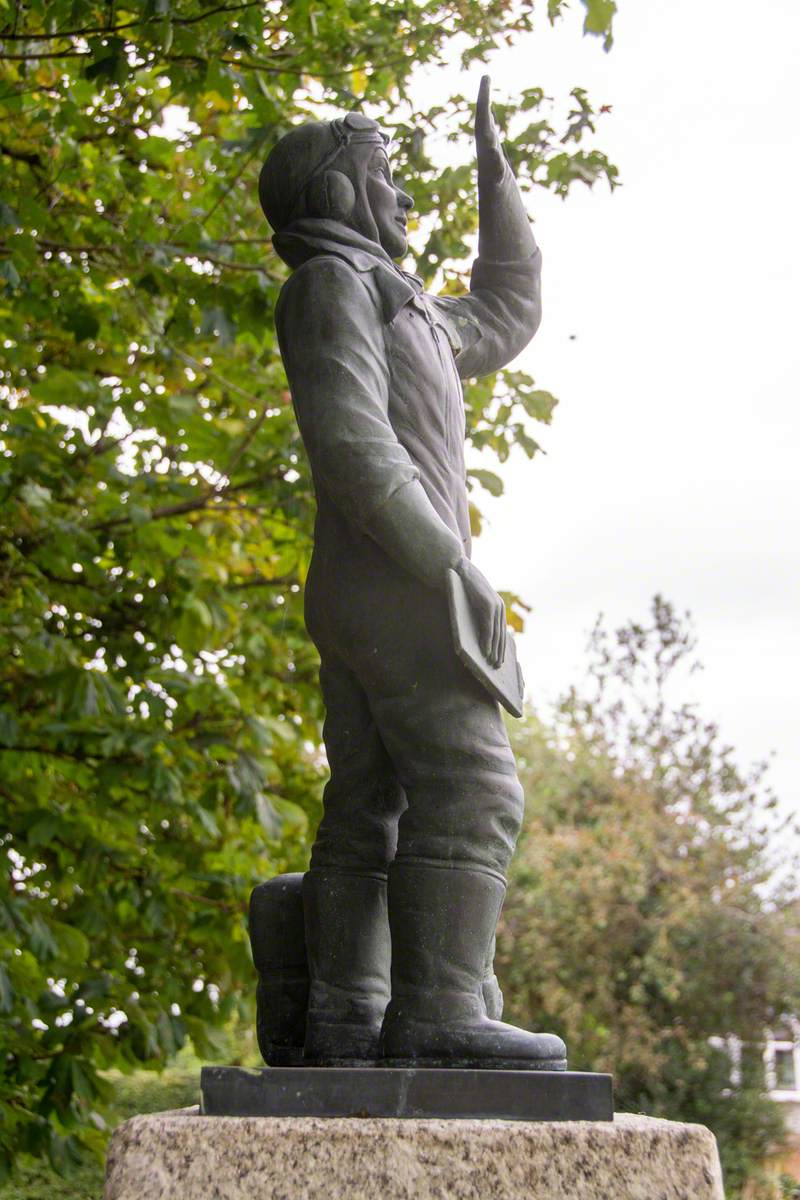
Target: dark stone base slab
{"points": [[414, 1093]]}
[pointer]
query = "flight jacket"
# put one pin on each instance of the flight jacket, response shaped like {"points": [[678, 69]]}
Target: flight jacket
{"points": [[374, 365]]}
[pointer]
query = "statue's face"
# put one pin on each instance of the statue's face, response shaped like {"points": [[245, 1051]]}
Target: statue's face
{"points": [[388, 205]]}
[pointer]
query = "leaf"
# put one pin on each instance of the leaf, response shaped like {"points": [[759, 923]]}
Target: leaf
{"points": [[493, 483], [42, 832], [599, 19], [515, 610], [82, 323], [475, 520], [86, 697], [9, 272], [217, 322], [292, 818], [538, 404], [35, 496], [206, 819], [9, 728], [209, 1043], [527, 443], [199, 609], [82, 1081], [140, 514], [268, 817], [43, 945], [6, 991], [182, 405], [110, 64]]}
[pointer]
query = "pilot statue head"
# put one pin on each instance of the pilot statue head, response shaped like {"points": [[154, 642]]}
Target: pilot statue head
{"points": [[336, 171]]}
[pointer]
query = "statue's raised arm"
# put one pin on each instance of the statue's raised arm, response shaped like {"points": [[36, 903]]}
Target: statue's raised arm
{"points": [[503, 309]]}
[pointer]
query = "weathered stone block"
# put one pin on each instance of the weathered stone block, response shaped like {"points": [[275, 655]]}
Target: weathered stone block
{"points": [[184, 1156]]}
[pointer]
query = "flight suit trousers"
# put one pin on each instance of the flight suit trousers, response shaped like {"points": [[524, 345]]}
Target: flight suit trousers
{"points": [[421, 766]]}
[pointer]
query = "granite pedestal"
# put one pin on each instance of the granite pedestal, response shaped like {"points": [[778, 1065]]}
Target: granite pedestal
{"points": [[184, 1156]]}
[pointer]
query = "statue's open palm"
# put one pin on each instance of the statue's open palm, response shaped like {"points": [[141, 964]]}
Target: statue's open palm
{"points": [[488, 147]]}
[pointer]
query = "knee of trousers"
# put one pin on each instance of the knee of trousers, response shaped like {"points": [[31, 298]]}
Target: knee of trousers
{"points": [[358, 831], [361, 846], [468, 824]]}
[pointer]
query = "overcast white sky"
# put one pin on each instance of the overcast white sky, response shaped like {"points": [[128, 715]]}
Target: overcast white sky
{"points": [[672, 462]]}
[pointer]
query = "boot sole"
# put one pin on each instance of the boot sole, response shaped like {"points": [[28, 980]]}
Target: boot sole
{"points": [[477, 1064], [284, 1056], [342, 1062]]}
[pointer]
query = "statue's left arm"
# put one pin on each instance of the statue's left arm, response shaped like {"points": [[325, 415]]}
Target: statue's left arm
{"points": [[503, 309]]}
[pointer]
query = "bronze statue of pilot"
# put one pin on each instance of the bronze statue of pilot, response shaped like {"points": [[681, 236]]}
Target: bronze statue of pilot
{"points": [[423, 806]]}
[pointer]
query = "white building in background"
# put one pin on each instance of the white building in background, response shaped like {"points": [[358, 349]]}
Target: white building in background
{"points": [[782, 1078], [780, 1056]]}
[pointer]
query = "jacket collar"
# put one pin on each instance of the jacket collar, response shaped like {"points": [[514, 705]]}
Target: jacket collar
{"points": [[311, 236]]}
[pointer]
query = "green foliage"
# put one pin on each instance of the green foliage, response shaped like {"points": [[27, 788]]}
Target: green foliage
{"points": [[642, 921], [177, 1087], [35, 1179], [159, 713]]}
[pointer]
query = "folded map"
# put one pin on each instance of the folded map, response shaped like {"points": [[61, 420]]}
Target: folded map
{"points": [[505, 682]]}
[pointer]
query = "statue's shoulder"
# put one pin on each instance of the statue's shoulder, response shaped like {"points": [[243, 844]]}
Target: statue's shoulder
{"points": [[326, 280], [330, 269]]}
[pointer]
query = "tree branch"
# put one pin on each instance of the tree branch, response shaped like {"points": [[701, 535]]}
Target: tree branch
{"points": [[192, 504], [245, 443], [26, 156], [87, 31], [48, 54], [75, 755], [223, 904], [282, 581], [189, 359], [176, 249], [248, 159]]}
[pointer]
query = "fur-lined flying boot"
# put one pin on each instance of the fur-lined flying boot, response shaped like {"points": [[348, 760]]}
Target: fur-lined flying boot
{"points": [[347, 938], [443, 919], [277, 939]]}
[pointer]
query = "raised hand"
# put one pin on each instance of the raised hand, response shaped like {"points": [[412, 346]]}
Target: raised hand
{"points": [[488, 147]]}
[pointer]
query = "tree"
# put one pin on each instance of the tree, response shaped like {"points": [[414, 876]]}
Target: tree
{"points": [[159, 715], [643, 921]]}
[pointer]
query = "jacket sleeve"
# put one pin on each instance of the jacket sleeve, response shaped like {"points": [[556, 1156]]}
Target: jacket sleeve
{"points": [[490, 326], [331, 339]]}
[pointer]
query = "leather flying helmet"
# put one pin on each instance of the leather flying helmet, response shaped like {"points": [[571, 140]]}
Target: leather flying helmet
{"points": [[299, 177]]}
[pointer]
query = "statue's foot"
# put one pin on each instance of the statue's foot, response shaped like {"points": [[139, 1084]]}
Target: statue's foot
{"points": [[280, 1018], [283, 1056], [443, 920], [279, 954], [475, 1044], [336, 1043], [347, 937]]}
